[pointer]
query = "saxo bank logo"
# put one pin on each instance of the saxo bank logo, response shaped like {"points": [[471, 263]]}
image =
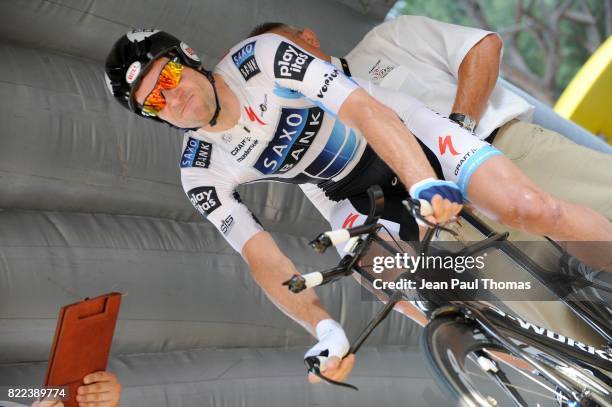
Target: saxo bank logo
{"points": [[295, 132]]}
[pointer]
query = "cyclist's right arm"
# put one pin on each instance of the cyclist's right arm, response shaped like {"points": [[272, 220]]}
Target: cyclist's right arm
{"points": [[209, 183], [270, 267]]}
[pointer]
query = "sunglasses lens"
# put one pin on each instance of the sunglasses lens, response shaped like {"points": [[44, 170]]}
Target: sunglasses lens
{"points": [[169, 78]]}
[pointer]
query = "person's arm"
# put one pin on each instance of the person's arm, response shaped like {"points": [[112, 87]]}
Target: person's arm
{"points": [[211, 190], [395, 145], [387, 135], [478, 74], [471, 55], [287, 65], [270, 268]]}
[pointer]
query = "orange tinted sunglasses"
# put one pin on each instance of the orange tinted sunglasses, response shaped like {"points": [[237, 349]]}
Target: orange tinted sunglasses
{"points": [[169, 78]]}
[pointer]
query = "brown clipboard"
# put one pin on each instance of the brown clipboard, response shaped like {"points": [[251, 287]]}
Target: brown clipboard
{"points": [[82, 342]]}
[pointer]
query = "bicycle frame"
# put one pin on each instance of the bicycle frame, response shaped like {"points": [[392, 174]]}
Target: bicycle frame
{"points": [[581, 309], [492, 321], [556, 344], [496, 324], [497, 318]]}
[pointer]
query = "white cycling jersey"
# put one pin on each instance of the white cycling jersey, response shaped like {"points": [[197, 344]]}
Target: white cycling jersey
{"points": [[288, 131]]}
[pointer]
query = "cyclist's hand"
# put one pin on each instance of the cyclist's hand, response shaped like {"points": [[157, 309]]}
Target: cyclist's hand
{"points": [[331, 348], [444, 196], [443, 210], [336, 369], [101, 389]]}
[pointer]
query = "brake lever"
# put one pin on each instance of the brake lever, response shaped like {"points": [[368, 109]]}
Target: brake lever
{"points": [[296, 284], [321, 243], [313, 365]]}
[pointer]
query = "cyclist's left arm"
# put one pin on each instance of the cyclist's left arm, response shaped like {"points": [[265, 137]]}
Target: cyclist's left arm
{"points": [[398, 147], [387, 135], [293, 69]]}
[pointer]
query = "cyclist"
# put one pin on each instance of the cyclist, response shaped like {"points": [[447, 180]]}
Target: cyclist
{"points": [[274, 112]]}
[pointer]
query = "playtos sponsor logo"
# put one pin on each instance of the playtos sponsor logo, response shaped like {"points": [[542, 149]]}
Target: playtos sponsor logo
{"points": [[445, 143], [294, 134], [197, 153], [204, 199], [329, 77], [532, 328], [253, 116], [226, 225], [290, 62], [244, 59], [133, 71]]}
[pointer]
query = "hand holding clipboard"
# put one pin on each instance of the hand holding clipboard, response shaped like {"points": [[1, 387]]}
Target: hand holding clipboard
{"points": [[101, 387], [81, 346]]}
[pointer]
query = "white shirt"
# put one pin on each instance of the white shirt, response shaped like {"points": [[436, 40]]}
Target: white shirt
{"points": [[421, 57]]}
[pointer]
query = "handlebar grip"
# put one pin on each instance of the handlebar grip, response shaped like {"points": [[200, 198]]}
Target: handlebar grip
{"points": [[313, 279], [338, 236], [299, 282]]}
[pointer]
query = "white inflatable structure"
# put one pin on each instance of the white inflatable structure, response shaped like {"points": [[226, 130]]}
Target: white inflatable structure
{"points": [[90, 202]]}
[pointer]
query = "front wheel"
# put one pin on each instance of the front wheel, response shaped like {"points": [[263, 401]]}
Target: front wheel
{"points": [[476, 371]]}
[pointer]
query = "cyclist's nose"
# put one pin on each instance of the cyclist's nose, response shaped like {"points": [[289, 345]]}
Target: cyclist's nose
{"points": [[172, 96]]}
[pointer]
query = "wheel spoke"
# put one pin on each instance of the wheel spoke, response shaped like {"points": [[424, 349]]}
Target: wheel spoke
{"points": [[539, 382], [454, 347], [530, 377]]}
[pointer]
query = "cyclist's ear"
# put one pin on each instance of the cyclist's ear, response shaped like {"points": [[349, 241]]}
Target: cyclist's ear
{"points": [[310, 37]]}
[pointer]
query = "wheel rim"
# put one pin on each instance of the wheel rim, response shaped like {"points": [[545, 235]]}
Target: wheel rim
{"points": [[452, 348]]}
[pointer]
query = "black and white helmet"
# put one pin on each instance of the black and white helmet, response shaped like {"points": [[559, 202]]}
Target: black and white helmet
{"points": [[132, 56]]}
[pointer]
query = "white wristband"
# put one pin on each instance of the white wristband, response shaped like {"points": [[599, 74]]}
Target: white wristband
{"points": [[326, 326], [415, 187], [331, 338]]}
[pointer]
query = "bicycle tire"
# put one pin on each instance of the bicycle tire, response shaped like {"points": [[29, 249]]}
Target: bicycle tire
{"points": [[447, 343]]}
